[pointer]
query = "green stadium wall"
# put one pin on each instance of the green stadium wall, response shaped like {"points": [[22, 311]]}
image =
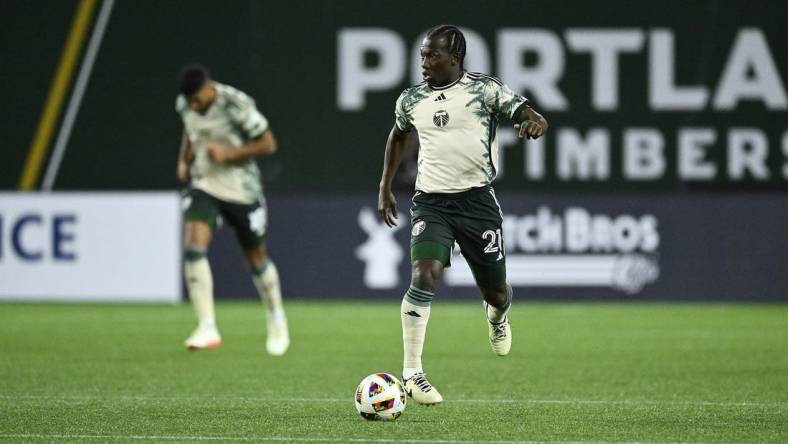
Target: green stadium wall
{"points": [[724, 93]]}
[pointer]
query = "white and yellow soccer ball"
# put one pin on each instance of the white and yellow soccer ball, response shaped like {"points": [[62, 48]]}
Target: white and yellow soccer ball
{"points": [[380, 396]]}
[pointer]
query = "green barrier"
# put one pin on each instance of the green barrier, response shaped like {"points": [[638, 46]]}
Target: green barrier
{"points": [[638, 96]]}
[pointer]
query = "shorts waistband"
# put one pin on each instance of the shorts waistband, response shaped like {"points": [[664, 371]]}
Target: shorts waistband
{"points": [[454, 196]]}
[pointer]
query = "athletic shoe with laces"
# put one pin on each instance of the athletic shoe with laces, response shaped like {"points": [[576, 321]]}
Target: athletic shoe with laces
{"points": [[500, 336], [278, 338], [203, 338], [421, 391]]}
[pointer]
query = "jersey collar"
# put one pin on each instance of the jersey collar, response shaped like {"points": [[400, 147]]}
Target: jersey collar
{"points": [[440, 88]]}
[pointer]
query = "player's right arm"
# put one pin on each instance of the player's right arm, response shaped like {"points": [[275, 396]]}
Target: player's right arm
{"points": [[396, 145], [185, 152], [184, 158]]}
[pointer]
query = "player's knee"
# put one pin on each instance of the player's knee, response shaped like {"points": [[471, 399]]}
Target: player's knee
{"points": [[196, 235], [255, 256], [425, 276], [497, 297]]}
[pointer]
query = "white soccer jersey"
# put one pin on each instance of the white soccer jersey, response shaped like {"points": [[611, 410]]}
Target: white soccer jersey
{"points": [[457, 126], [232, 120]]}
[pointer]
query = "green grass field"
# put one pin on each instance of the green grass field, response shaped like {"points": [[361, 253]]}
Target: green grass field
{"points": [[577, 373]]}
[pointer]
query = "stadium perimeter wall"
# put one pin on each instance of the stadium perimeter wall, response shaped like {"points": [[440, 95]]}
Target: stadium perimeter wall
{"points": [[668, 138], [559, 247], [126, 247]]}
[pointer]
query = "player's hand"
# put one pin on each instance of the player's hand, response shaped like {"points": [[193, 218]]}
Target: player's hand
{"points": [[387, 207], [533, 128], [217, 153], [183, 171]]}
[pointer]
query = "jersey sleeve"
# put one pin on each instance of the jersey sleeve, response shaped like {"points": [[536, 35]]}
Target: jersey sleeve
{"points": [[243, 112], [502, 100], [403, 117], [180, 105]]}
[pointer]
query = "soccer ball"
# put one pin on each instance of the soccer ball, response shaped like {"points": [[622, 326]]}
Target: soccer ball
{"points": [[380, 396]]}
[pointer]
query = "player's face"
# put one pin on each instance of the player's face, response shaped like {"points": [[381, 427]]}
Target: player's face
{"points": [[202, 99], [439, 68]]}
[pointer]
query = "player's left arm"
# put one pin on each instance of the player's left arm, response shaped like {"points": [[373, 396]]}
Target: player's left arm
{"points": [[502, 100], [262, 145], [530, 123], [254, 126]]}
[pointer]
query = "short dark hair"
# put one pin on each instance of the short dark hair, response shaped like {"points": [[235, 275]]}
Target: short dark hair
{"points": [[454, 38], [192, 78]]}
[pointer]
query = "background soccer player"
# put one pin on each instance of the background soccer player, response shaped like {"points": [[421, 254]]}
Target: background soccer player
{"points": [[223, 134], [456, 116]]}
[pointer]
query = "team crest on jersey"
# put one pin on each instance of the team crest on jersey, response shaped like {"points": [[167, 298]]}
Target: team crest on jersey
{"points": [[440, 118], [418, 228]]}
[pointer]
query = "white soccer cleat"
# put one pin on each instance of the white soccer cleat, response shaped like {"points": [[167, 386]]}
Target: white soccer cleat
{"points": [[500, 337], [204, 338], [421, 391], [278, 338]]}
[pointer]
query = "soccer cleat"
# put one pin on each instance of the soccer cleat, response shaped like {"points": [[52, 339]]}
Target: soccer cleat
{"points": [[278, 339], [500, 337], [204, 338], [421, 391]]}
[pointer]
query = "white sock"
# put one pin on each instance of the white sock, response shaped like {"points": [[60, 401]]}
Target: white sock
{"points": [[497, 315], [267, 284], [199, 281], [414, 329]]}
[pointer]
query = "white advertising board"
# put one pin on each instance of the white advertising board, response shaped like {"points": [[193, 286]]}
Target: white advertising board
{"points": [[86, 246]]}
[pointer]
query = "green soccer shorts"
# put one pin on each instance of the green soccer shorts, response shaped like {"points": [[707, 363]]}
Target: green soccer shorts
{"points": [[249, 221], [473, 220]]}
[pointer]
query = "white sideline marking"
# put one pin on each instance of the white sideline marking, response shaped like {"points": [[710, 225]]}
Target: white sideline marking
{"points": [[348, 400], [300, 439]]}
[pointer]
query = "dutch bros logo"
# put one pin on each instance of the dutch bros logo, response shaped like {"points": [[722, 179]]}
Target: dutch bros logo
{"points": [[575, 248], [35, 237], [381, 252]]}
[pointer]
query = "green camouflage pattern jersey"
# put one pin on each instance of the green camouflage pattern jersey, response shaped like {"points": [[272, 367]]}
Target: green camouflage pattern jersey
{"points": [[232, 120], [457, 126]]}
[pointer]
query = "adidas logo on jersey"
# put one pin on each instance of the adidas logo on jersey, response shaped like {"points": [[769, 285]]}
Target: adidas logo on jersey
{"points": [[413, 313], [440, 97]]}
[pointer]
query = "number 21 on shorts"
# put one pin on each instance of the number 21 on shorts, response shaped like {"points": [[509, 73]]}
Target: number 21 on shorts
{"points": [[495, 240]]}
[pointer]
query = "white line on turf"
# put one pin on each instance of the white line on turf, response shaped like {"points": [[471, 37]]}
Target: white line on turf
{"points": [[294, 439], [630, 402]]}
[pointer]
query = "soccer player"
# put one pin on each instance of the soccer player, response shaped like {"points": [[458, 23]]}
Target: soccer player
{"points": [[223, 134], [456, 115]]}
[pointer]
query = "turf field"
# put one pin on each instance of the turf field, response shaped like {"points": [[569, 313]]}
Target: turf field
{"points": [[577, 373]]}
